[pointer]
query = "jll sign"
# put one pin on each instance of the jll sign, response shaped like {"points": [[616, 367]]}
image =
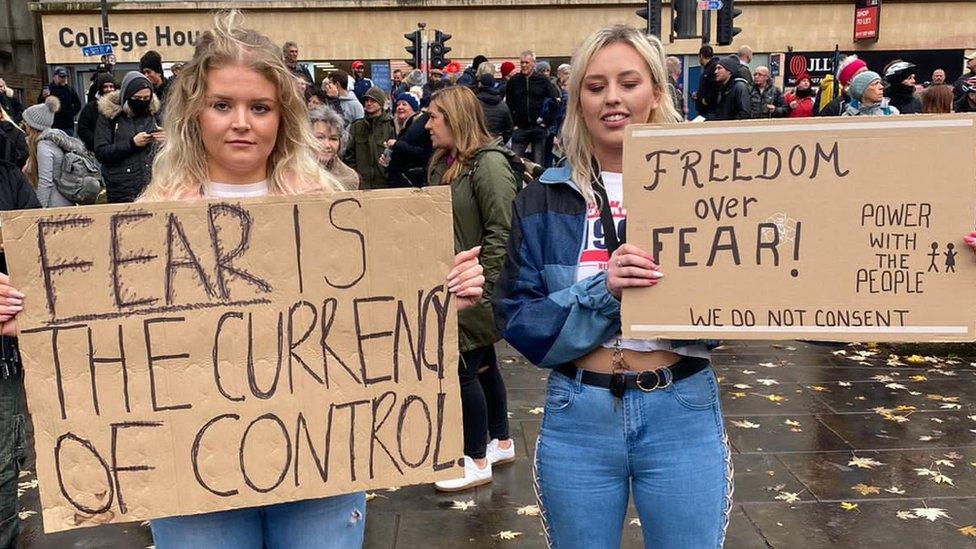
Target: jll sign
{"points": [[867, 19]]}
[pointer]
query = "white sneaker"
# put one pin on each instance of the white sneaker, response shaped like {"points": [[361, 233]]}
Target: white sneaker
{"points": [[473, 476], [497, 456]]}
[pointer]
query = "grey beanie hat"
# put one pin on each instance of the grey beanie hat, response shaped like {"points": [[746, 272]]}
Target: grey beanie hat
{"points": [[41, 116], [860, 83], [132, 82], [543, 66]]}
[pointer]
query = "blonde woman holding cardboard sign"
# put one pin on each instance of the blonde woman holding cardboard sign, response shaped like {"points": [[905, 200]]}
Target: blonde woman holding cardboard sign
{"points": [[238, 128], [621, 416]]}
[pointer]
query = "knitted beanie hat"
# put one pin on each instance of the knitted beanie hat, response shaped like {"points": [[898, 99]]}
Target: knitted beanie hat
{"points": [[377, 95], [410, 100], [848, 68], [861, 82], [507, 68], [41, 116], [132, 83]]}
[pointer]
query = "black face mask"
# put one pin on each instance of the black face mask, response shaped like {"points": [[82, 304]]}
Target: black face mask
{"points": [[139, 106], [804, 93]]}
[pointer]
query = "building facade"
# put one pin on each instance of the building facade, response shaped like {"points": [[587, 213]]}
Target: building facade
{"points": [[335, 32]]}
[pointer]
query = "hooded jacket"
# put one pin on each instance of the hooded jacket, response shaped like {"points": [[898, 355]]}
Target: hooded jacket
{"points": [[540, 308], [126, 167], [71, 105], [367, 140], [708, 89], [350, 108], [497, 114], [481, 197]]}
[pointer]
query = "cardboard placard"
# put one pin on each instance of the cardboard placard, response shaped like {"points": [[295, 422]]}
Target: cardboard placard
{"points": [[842, 229], [198, 356]]}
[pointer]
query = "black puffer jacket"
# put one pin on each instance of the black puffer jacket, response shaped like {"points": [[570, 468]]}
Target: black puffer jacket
{"points": [[903, 98], [411, 154], [126, 168], [13, 143], [525, 97], [497, 114], [86, 124]]}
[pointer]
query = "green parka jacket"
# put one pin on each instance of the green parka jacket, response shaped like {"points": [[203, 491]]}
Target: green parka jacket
{"points": [[482, 197], [367, 139]]}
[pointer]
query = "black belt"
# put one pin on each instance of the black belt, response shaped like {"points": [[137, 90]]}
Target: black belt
{"points": [[646, 381]]}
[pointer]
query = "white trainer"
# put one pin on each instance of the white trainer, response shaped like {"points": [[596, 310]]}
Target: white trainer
{"points": [[473, 476], [498, 456]]}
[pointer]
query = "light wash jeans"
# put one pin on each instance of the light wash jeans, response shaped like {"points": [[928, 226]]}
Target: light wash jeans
{"points": [[667, 447], [327, 523]]}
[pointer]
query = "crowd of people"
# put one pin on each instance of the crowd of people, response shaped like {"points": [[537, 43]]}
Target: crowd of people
{"points": [[729, 90], [541, 265]]}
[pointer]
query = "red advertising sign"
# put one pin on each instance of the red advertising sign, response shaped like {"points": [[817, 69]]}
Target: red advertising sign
{"points": [[867, 19]]}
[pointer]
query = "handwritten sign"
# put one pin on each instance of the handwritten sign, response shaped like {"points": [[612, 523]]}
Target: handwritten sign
{"points": [[191, 357], [842, 229]]}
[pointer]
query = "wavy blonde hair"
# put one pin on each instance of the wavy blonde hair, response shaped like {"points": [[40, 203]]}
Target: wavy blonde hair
{"points": [[465, 118], [180, 167], [575, 139]]}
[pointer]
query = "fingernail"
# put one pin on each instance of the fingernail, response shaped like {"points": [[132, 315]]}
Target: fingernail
{"points": [[657, 274], [17, 294], [451, 275]]}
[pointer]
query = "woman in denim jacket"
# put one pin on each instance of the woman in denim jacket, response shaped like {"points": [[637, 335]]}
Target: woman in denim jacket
{"points": [[621, 416]]}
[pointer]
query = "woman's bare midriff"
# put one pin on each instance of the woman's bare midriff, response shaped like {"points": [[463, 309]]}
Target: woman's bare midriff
{"points": [[601, 360]]}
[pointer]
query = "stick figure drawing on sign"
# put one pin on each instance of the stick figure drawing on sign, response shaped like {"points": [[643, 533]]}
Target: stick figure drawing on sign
{"points": [[950, 264], [933, 255]]}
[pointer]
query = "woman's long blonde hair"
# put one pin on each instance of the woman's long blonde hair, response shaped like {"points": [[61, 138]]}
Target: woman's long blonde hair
{"points": [[465, 119], [180, 167], [574, 136]]}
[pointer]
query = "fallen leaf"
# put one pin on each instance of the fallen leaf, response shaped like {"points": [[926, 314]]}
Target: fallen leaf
{"points": [[774, 398], [969, 531], [844, 383], [895, 490], [745, 424], [864, 489], [953, 455], [27, 513], [944, 462], [635, 522], [792, 423], [930, 513], [463, 505], [914, 359], [925, 472], [819, 388], [895, 386], [841, 352], [925, 438], [942, 479], [767, 382], [905, 515], [919, 378], [848, 506], [536, 411], [788, 497], [741, 386], [370, 496], [528, 510], [392, 488], [508, 535], [950, 406], [864, 462]]}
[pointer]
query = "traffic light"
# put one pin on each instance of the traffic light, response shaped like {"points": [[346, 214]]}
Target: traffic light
{"points": [[684, 23], [726, 14], [438, 50], [414, 48], [652, 13]]}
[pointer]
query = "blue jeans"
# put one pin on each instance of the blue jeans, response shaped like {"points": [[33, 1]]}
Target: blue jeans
{"points": [[326, 523], [667, 447]]}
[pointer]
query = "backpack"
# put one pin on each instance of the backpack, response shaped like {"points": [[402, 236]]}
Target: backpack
{"points": [[80, 180]]}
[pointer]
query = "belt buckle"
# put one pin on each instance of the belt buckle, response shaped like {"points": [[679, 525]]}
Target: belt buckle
{"points": [[657, 380]]}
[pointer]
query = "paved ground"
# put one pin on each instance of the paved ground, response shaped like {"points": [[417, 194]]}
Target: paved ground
{"points": [[834, 447]]}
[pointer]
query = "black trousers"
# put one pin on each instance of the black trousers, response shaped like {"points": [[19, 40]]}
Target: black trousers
{"points": [[484, 404]]}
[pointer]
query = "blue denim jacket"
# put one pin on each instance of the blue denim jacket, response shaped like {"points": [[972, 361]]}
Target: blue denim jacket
{"points": [[539, 307]]}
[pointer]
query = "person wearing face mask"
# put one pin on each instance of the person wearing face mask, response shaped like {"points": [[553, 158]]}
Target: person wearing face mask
{"points": [[900, 92], [327, 126], [867, 97], [125, 137], [800, 100]]}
